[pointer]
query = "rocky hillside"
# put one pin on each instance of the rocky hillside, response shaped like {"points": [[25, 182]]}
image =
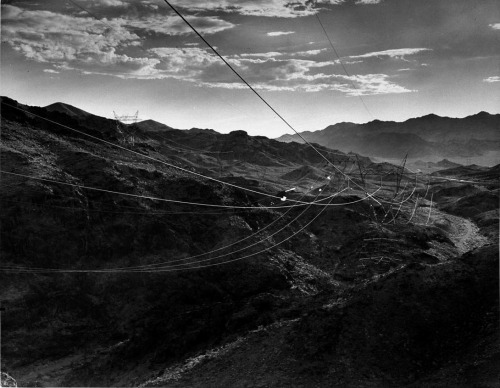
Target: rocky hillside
{"points": [[247, 295], [425, 136]]}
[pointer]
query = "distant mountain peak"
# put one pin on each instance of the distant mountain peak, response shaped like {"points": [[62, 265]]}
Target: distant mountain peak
{"points": [[202, 130], [425, 136], [153, 126], [482, 114], [70, 110]]}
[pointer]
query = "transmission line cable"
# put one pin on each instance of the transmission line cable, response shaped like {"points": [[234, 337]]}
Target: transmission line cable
{"points": [[249, 86], [169, 263], [257, 93], [147, 156], [301, 204], [172, 264], [27, 270], [343, 66]]}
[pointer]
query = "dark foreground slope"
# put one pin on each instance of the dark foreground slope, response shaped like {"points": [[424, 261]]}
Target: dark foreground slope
{"points": [[344, 301]]}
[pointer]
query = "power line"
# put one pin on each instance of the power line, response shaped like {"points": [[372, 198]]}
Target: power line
{"points": [[261, 98], [301, 203], [27, 270], [243, 80], [226, 246], [166, 268], [152, 212], [170, 264], [258, 94], [309, 204], [162, 266], [147, 156], [236, 242], [251, 88], [147, 53], [343, 66]]}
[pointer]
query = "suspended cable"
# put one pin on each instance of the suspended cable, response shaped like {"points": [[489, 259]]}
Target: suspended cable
{"points": [[147, 156], [151, 212], [236, 242], [343, 67], [257, 93], [318, 202], [171, 264], [168, 265], [26, 270]]}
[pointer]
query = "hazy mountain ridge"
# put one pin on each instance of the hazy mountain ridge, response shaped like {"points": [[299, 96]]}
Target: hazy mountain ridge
{"points": [[429, 135], [444, 163]]}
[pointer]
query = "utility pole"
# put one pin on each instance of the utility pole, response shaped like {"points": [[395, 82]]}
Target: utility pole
{"points": [[123, 123]]}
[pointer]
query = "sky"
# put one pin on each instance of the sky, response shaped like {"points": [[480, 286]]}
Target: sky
{"points": [[316, 62]]}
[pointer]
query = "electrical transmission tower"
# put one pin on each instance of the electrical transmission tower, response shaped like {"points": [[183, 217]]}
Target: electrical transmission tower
{"points": [[124, 124]]}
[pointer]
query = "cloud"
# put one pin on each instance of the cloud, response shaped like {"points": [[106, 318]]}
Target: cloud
{"points": [[267, 71], [279, 33], [372, 84], [113, 3], [270, 54], [50, 71], [264, 8], [176, 26], [45, 36], [492, 79], [106, 46], [112, 47], [394, 53], [275, 54], [495, 26], [366, 85], [308, 53]]}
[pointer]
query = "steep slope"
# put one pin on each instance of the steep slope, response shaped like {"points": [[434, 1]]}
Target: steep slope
{"points": [[391, 334]]}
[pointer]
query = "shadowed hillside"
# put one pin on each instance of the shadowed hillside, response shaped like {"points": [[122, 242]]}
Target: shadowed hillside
{"points": [[149, 256]]}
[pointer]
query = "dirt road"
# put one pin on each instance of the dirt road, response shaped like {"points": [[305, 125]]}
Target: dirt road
{"points": [[465, 235], [463, 232]]}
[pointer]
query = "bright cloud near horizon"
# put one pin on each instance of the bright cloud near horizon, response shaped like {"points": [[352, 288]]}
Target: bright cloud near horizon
{"points": [[398, 58]]}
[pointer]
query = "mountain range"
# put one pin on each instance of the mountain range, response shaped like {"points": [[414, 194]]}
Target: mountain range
{"points": [[203, 150], [426, 136]]}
